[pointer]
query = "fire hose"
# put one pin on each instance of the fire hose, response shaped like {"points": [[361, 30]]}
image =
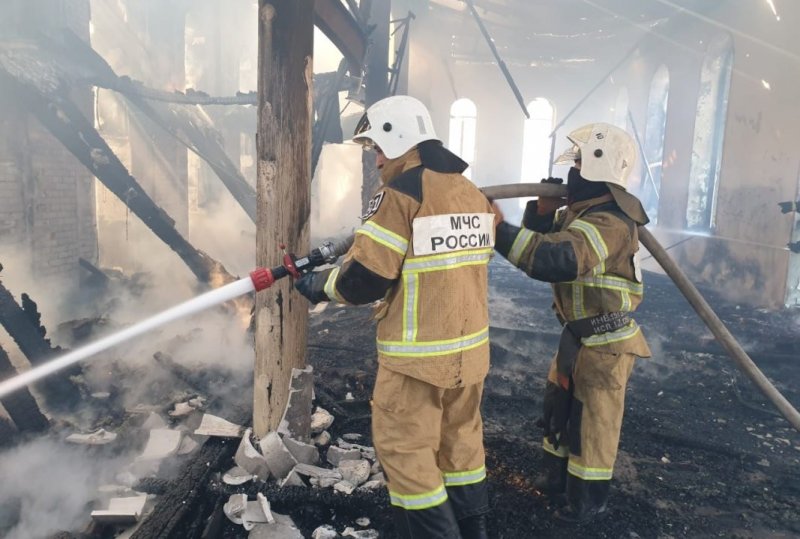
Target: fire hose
{"points": [[690, 292]]}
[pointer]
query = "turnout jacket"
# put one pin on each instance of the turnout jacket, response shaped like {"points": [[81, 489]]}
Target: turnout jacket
{"points": [[589, 251], [424, 247]]}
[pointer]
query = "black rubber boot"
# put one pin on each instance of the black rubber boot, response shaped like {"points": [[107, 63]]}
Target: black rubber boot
{"points": [[552, 481], [434, 523], [587, 500], [473, 527]]}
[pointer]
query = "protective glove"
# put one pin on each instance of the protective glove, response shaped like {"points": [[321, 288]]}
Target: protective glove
{"points": [[312, 286], [548, 205], [557, 404]]}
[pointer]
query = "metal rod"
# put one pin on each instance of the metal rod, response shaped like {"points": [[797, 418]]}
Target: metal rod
{"points": [[500, 62]]}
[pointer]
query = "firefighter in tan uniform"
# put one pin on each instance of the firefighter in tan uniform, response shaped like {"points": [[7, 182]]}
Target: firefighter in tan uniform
{"points": [[423, 248], [589, 251]]}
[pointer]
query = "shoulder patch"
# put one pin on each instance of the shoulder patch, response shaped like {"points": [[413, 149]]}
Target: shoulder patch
{"points": [[374, 204], [409, 183]]}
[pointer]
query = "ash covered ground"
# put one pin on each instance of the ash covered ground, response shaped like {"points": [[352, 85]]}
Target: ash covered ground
{"points": [[702, 453]]}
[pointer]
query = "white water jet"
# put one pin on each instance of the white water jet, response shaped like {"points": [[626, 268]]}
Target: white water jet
{"points": [[200, 303]]}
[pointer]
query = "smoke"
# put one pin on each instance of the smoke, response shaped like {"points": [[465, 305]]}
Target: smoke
{"points": [[48, 487], [336, 192]]}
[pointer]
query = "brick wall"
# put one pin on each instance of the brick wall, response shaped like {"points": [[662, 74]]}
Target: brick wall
{"points": [[47, 201]]}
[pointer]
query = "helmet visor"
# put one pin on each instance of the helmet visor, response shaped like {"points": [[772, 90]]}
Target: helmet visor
{"points": [[567, 158]]}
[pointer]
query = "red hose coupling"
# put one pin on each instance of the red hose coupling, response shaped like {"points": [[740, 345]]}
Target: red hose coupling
{"points": [[262, 278]]}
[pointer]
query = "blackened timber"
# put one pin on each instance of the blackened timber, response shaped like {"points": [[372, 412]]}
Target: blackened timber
{"points": [[175, 510], [20, 405], [186, 124], [58, 391], [62, 118], [328, 127], [344, 31]]}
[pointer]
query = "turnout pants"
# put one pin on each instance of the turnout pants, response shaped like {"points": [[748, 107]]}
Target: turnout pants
{"points": [[586, 461], [429, 441]]}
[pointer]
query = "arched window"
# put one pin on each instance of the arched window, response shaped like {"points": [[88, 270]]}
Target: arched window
{"points": [[709, 132], [536, 142], [621, 107], [463, 119], [654, 141]]}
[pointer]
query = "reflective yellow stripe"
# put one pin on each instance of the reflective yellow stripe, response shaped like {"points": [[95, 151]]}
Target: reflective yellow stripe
{"points": [[522, 240], [590, 474], [611, 283], [623, 334], [434, 348], [595, 240], [625, 301], [416, 502], [411, 303], [460, 479], [384, 236], [578, 309], [448, 261], [330, 286], [561, 452]]}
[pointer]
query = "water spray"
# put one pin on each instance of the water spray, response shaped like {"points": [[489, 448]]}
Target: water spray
{"points": [[259, 279]]}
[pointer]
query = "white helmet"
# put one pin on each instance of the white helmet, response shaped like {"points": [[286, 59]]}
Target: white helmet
{"points": [[395, 124], [607, 153]]}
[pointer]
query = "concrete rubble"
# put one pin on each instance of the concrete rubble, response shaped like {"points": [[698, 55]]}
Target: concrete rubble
{"points": [[98, 437], [122, 510], [212, 425], [248, 513], [248, 458], [296, 421]]}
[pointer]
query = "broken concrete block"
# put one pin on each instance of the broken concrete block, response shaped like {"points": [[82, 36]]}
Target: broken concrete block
{"points": [[237, 476], [345, 487], [321, 420], [296, 421], [248, 513], [354, 471], [371, 485], [282, 528], [248, 457], [322, 439], [188, 445], [324, 532], [326, 482], [293, 480], [352, 436], [122, 510], [161, 444], [363, 522], [279, 460], [376, 468], [98, 437], [378, 477], [153, 421], [212, 425], [337, 455], [306, 453], [367, 452], [181, 409], [317, 472], [360, 534]]}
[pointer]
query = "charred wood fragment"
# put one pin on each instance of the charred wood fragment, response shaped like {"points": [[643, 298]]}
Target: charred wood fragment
{"points": [[20, 405], [23, 326]]}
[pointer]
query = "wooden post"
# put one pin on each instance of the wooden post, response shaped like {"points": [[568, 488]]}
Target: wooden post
{"points": [[286, 35]]}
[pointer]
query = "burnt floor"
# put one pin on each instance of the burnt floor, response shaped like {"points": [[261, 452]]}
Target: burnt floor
{"points": [[702, 454]]}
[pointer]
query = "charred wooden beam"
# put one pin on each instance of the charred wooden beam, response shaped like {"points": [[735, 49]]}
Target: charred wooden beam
{"points": [[176, 509], [186, 124], [20, 405], [23, 326], [48, 100], [328, 127], [344, 31]]}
